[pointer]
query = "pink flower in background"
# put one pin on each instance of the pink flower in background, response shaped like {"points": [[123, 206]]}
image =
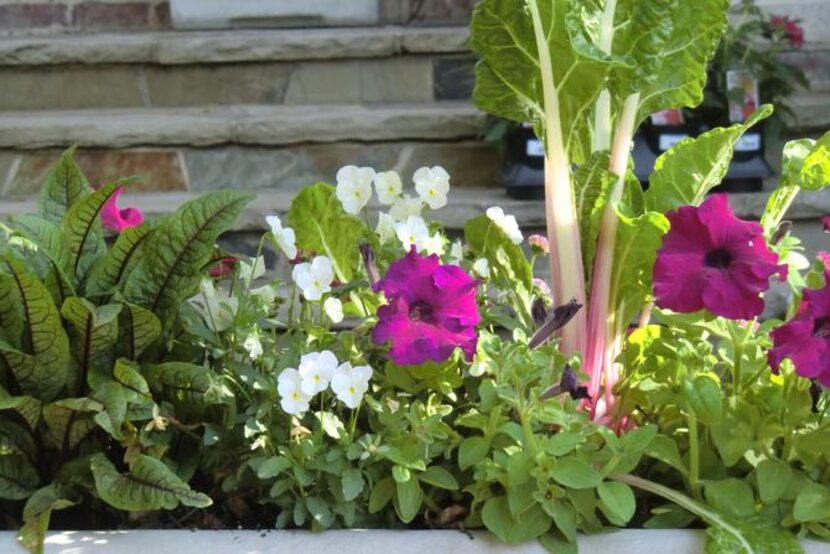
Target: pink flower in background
{"points": [[790, 28], [539, 244], [805, 339], [223, 267], [432, 310], [119, 219], [825, 259], [825, 221], [711, 259]]}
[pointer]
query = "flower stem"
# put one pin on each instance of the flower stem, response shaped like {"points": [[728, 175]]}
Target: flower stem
{"points": [[694, 455], [693, 506]]}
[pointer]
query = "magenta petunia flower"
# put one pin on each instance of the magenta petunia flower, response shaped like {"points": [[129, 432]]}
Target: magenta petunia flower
{"points": [[119, 219], [431, 310], [825, 221], [711, 259], [805, 339]]}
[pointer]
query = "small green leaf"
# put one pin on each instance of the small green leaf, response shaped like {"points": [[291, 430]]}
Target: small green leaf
{"points": [[575, 473], [704, 397], [190, 388], [472, 451], [618, 501], [665, 449], [382, 493], [320, 512], [508, 264], [352, 483], [408, 499], [272, 467], [497, 518], [439, 477], [812, 503], [111, 417], [731, 496], [774, 478], [401, 474]]}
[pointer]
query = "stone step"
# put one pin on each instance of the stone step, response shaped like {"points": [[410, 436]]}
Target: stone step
{"points": [[250, 125], [811, 113], [368, 65]]}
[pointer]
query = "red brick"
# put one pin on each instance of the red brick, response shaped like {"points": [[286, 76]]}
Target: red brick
{"points": [[30, 16], [103, 16]]}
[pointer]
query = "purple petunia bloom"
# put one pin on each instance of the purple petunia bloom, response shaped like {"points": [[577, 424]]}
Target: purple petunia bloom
{"points": [[117, 219], [825, 221], [431, 310], [805, 339], [711, 259]]}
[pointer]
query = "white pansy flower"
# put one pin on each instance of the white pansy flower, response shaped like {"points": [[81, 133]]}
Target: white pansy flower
{"points": [[351, 383], [406, 206], [432, 245], [314, 279], [253, 346], [354, 187], [432, 184], [334, 309], [292, 398], [388, 187], [482, 267], [219, 312], [284, 236], [385, 228], [507, 223], [456, 253], [316, 370], [413, 231], [248, 272]]}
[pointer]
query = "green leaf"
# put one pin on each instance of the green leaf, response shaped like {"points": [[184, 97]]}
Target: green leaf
{"points": [[731, 496], [382, 493], [352, 483], [150, 485], [617, 501], [774, 478], [18, 477], [509, 75], [46, 374], [575, 473], [47, 236], [70, 420], [38, 511], [320, 512], [814, 170], [272, 467], [109, 271], [128, 376], [812, 503], [190, 388], [704, 397], [685, 173], [472, 451], [508, 264], [439, 477], [497, 518], [138, 328], [321, 225], [27, 407], [94, 329], [172, 257], [111, 417], [64, 186], [663, 448], [408, 499], [564, 516], [82, 230], [754, 536]]}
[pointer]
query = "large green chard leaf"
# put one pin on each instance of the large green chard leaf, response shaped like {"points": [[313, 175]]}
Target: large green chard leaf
{"points": [[638, 239], [684, 174], [137, 329], [190, 388], [509, 76], [321, 225], [171, 259], [65, 185], [109, 271], [150, 485], [696, 29], [82, 230], [38, 511], [43, 334], [94, 331], [508, 264]]}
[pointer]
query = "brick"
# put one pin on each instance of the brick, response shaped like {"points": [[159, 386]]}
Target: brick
{"points": [[70, 87], [104, 16], [31, 16], [220, 84], [158, 170], [161, 12]]}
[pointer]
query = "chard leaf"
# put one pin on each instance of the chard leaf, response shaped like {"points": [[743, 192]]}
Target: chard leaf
{"points": [[509, 75], [65, 184], [114, 402], [108, 272], [49, 241], [83, 231], [508, 264], [134, 384], [321, 225], [684, 174], [47, 373], [150, 485], [172, 258], [38, 511]]}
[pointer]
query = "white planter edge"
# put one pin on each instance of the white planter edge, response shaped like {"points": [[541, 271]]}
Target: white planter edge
{"points": [[626, 541]]}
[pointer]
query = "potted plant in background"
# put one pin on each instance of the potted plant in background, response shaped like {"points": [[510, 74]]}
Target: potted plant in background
{"points": [[399, 379]]}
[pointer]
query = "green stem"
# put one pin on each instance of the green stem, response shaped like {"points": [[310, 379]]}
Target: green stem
{"points": [[694, 455], [693, 506]]}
